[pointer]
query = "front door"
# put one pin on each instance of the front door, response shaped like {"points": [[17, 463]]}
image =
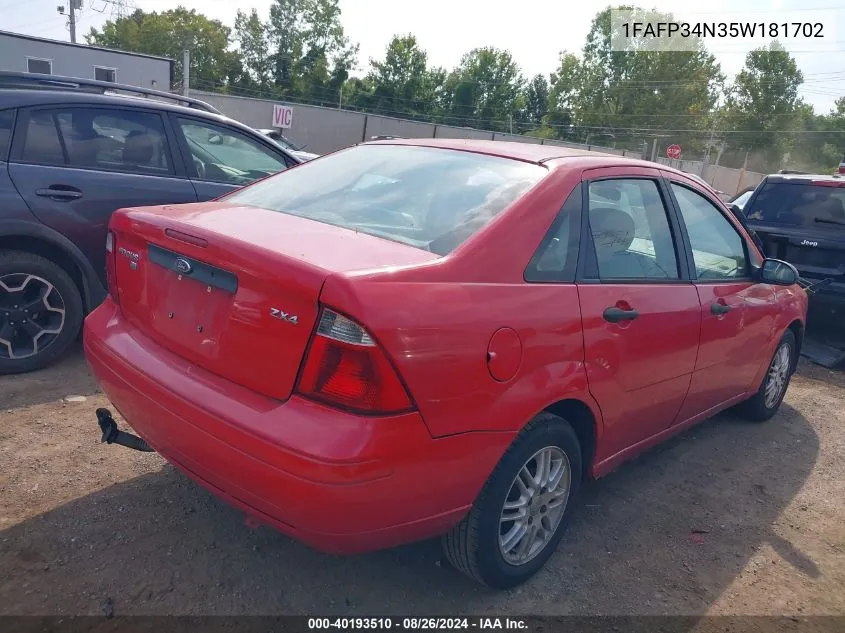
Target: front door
{"points": [[737, 314], [221, 159], [640, 312], [74, 166]]}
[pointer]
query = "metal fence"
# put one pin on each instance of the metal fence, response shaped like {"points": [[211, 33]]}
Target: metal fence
{"points": [[322, 130]]}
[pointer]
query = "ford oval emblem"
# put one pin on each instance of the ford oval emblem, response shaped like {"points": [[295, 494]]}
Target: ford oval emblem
{"points": [[183, 266]]}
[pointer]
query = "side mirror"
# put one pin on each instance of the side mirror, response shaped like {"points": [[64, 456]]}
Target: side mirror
{"points": [[778, 272]]}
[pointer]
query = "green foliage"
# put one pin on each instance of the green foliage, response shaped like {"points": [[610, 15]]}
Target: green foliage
{"points": [[627, 93], [167, 34], [536, 99], [623, 98], [486, 89], [401, 83]]}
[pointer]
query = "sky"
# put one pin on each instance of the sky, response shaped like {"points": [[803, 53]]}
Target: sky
{"points": [[535, 32]]}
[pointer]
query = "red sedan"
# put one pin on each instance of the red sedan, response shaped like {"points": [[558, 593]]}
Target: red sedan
{"points": [[408, 339]]}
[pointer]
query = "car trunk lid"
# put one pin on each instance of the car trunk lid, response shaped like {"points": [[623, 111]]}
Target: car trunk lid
{"points": [[235, 290]]}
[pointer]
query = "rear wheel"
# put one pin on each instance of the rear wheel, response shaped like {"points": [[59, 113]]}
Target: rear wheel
{"points": [[766, 402], [40, 312], [519, 518]]}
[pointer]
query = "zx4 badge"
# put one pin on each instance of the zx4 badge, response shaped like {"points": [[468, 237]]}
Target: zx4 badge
{"points": [[277, 313]]}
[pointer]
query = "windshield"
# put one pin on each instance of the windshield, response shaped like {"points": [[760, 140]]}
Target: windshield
{"points": [[430, 198], [799, 204]]}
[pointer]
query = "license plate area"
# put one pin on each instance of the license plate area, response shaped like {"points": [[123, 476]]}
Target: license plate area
{"points": [[192, 301], [188, 267]]}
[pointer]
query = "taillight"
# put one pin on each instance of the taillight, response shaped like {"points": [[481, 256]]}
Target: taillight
{"points": [[345, 367], [111, 263]]}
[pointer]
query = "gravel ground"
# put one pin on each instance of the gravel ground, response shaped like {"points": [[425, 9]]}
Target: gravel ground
{"points": [[729, 518]]}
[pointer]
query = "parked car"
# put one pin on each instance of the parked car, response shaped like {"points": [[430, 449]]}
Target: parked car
{"points": [[801, 218], [741, 199], [407, 339], [288, 144], [70, 156], [722, 195]]}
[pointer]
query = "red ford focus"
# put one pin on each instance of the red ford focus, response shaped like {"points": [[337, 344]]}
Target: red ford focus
{"points": [[408, 339]]}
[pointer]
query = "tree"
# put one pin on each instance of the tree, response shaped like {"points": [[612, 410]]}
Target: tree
{"points": [[312, 56], [565, 85], [764, 100], [485, 90], [167, 34], [536, 99], [625, 93], [402, 83], [251, 35]]}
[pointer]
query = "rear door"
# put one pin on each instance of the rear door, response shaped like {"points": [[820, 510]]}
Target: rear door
{"points": [[221, 158], [737, 313], [803, 222], [640, 312], [75, 165]]}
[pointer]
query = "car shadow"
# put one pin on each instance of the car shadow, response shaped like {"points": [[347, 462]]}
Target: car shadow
{"points": [[664, 534], [66, 377]]}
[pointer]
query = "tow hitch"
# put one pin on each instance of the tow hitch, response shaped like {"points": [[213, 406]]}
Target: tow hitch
{"points": [[112, 435]]}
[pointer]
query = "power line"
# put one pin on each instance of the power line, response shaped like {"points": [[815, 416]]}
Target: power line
{"points": [[609, 128], [326, 95]]}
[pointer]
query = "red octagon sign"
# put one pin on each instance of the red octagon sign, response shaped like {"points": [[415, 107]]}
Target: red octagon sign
{"points": [[674, 151]]}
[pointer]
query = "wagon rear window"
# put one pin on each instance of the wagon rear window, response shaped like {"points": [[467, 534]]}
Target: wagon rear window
{"points": [[817, 206]]}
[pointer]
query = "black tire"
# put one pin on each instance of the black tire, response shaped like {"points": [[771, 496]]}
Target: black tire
{"points": [[755, 408], [14, 265], [472, 546]]}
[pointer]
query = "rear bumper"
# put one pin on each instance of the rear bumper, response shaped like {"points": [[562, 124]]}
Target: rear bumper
{"points": [[338, 482]]}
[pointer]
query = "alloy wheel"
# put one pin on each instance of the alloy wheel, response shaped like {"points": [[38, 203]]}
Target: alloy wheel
{"points": [[32, 315], [534, 505], [776, 379]]}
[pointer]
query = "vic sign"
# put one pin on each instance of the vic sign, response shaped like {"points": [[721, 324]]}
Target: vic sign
{"points": [[282, 116], [674, 151]]}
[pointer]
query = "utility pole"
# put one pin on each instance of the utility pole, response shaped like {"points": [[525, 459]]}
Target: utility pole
{"points": [[73, 7], [510, 121], [340, 98], [186, 72], [706, 161]]}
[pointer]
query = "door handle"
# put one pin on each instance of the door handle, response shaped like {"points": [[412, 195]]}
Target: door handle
{"points": [[614, 315], [59, 194], [719, 308]]}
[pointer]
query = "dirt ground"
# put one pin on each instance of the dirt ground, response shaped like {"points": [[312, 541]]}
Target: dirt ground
{"points": [[729, 518]]}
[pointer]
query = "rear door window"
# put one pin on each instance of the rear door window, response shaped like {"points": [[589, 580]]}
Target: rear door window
{"points": [[103, 139], [630, 230], [7, 120], [798, 204], [42, 145]]}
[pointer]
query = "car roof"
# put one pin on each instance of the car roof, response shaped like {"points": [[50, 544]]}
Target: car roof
{"points": [[22, 98], [805, 179], [528, 152]]}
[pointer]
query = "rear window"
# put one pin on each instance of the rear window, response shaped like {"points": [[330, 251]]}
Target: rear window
{"points": [[7, 119], [799, 204], [430, 198]]}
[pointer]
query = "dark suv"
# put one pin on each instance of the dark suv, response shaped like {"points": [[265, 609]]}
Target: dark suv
{"points": [[801, 219], [71, 152]]}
